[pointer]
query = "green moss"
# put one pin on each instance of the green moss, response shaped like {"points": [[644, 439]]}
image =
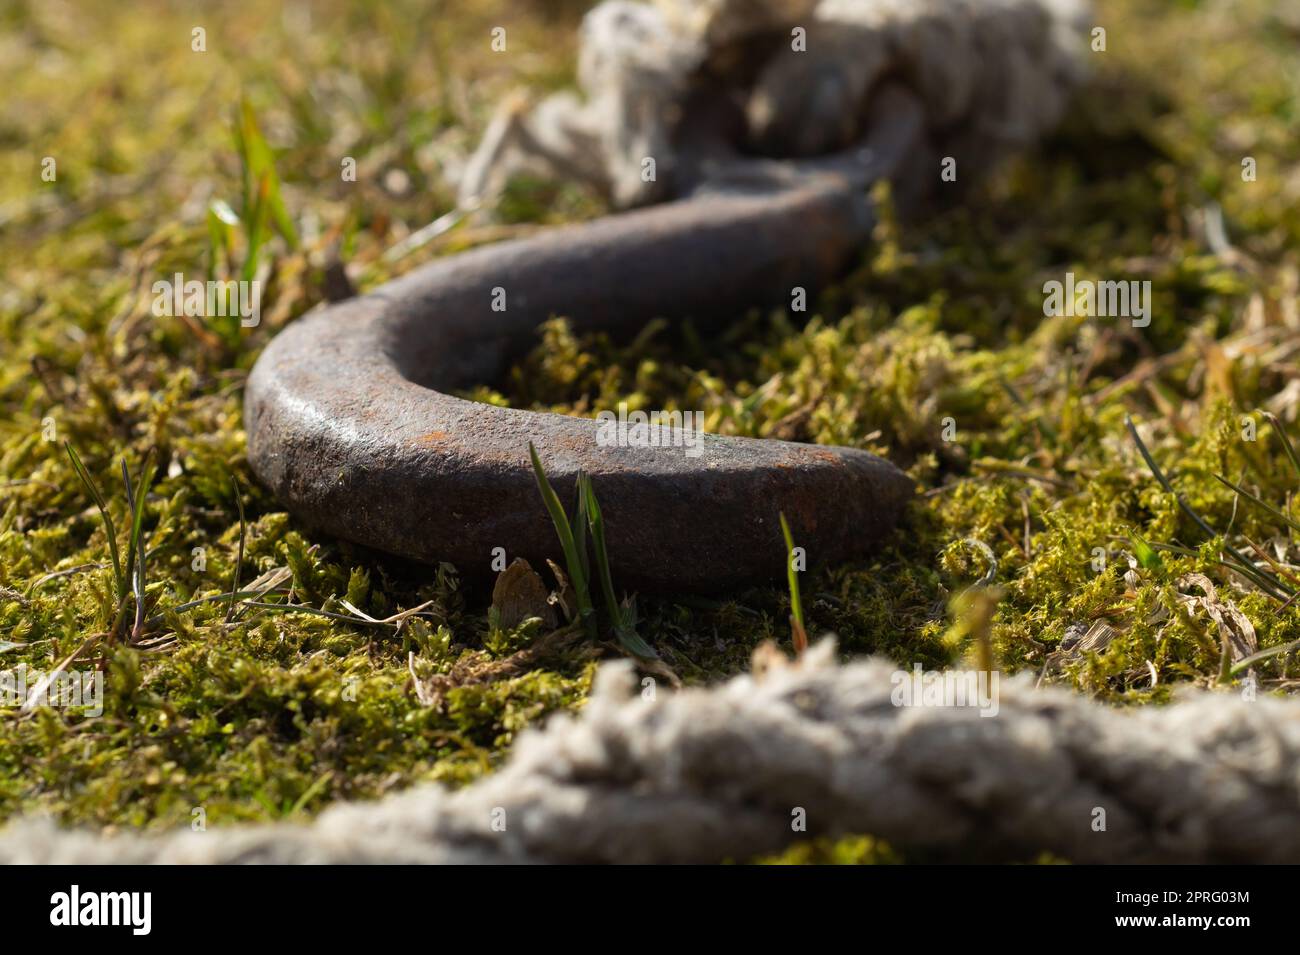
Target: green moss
{"points": [[851, 850], [275, 714]]}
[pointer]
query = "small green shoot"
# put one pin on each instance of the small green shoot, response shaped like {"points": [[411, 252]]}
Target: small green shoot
{"points": [[110, 531], [1148, 557], [572, 556], [239, 556], [1258, 502], [798, 633], [622, 615], [1286, 441], [573, 541], [129, 576], [135, 555], [259, 176], [262, 206], [1270, 585]]}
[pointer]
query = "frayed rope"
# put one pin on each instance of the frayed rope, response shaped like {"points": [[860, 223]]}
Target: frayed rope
{"points": [[705, 775]]}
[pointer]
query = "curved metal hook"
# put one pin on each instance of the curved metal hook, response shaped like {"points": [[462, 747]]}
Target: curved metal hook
{"points": [[349, 424]]}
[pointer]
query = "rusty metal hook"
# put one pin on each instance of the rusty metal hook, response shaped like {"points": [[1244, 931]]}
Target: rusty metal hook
{"points": [[348, 423]]}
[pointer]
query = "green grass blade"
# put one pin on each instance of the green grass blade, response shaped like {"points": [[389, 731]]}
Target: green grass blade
{"points": [[1246, 568], [136, 548], [131, 538], [792, 575], [581, 522], [624, 630], [1148, 557], [109, 529], [1146, 456], [563, 530], [1280, 515], [314, 790], [259, 167], [222, 221], [256, 231], [1286, 441], [239, 556], [1247, 662]]}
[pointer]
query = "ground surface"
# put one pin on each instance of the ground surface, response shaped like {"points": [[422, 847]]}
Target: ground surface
{"points": [[266, 714]]}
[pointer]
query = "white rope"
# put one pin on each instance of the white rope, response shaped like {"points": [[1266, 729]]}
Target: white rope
{"points": [[993, 75], [705, 775]]}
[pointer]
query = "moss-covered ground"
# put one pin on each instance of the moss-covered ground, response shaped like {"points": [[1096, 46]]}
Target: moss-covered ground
{"points": [[935, 352]]}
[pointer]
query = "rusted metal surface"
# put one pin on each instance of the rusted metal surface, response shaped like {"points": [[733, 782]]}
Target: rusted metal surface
{"points": [[349, 424]]}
